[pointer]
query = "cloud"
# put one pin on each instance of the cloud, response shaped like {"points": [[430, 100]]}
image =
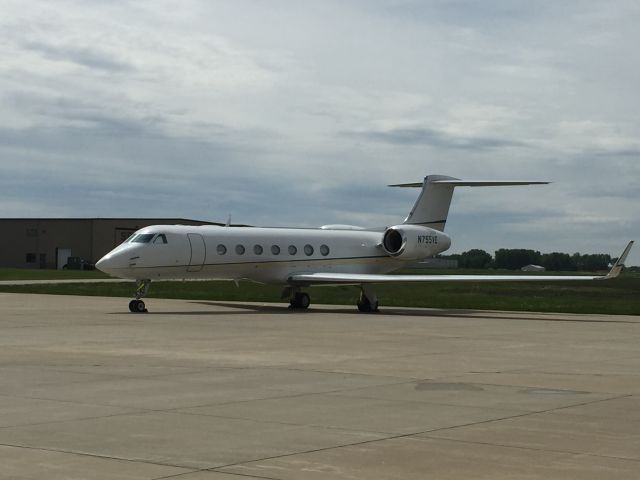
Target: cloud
{"points": [[436, 139], [298, 113], [86, 57]]}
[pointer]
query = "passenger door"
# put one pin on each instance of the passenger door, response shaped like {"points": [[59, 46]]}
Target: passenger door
{"points": [[198, 252]]}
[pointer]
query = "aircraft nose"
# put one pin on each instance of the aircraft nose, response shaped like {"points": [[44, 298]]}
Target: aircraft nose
{"points": [[100, 264], [106, 264], [114, 263]]}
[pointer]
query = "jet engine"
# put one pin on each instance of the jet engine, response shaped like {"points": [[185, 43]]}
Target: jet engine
{"points": [[413, 242]]}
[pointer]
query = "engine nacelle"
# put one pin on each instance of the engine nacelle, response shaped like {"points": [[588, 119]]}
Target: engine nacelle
{"points": [[413, 242]]}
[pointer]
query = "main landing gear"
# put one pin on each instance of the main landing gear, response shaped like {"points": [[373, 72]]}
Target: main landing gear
{"points": [[298, 300], [136, 305], [368, 301]]}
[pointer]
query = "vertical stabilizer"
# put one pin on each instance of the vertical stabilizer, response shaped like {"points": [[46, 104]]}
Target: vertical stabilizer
{"points": [[432, 206]]}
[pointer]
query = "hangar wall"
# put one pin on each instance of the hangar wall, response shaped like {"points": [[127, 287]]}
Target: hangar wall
{"points": [[34, 242]]}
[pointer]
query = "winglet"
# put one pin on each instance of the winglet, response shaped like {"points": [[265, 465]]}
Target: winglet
{"points": [[619, 265]]}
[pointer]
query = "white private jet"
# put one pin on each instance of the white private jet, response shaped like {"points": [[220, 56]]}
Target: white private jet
{"points": [[301, 257]]}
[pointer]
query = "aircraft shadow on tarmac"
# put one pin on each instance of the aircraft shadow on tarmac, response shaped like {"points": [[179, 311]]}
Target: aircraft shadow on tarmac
{"points": [[243, 309]]}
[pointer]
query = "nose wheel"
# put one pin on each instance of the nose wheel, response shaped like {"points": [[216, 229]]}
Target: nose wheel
{"points": [[137, 305]]}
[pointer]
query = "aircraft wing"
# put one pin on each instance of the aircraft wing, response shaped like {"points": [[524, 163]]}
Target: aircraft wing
{"points": [[360, 278]]}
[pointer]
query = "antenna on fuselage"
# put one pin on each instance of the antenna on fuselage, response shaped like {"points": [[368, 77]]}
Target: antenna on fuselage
{"points": [[228, 224]]}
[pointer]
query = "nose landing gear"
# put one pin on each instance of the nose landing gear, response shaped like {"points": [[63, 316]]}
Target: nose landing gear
{"points": [[136, 305]]}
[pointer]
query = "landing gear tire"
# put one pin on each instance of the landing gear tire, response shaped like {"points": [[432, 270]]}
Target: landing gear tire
{"points": [[300, 301], [366, 306], [368, 301], [137, 306]]}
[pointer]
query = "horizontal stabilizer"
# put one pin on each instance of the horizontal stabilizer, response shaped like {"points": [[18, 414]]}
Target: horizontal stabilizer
{"points": [[471, 183]]}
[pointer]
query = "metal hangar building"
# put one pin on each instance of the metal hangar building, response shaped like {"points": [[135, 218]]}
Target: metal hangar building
{"points": [[49, 242]]}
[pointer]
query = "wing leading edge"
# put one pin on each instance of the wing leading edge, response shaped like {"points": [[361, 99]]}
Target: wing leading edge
{"points": [[360, 278]]}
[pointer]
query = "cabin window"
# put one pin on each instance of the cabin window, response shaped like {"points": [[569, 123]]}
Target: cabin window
{"points": [[324, 250], [257, 249], [308, 250], [221, 249], [143, 238], [240, 249], [275, 249], [292, 250], [161, 238]]}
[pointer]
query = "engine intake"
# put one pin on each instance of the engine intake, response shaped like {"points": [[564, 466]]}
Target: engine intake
{"points": [[413, 242], [393, 241]]}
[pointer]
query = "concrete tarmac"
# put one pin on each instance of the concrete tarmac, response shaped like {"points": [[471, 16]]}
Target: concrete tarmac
{"points": [[223, 391]]}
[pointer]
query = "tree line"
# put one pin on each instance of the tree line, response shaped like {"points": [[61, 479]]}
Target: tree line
{"points": [[516, 258]]}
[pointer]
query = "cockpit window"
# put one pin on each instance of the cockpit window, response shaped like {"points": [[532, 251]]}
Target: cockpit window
{"points": [[142, 238], [161, 238]]}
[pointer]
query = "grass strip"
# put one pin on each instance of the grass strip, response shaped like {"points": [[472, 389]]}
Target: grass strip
{"points": [[618, 296]]}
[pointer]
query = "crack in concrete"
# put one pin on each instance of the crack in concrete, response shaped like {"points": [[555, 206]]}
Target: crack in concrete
{"points": [[414, 434]]}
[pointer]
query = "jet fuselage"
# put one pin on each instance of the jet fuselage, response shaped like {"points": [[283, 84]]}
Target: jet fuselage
{"points": [[267, 255]]}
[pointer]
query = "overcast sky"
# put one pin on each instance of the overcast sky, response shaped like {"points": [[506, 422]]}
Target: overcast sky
{"points": [[300, 112]]}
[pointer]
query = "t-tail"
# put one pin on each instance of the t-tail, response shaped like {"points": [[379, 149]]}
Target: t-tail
{"points": [[432, 206]]}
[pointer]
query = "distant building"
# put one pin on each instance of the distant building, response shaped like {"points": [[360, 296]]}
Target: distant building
{"points": [[49, 242], [533, 268]]}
